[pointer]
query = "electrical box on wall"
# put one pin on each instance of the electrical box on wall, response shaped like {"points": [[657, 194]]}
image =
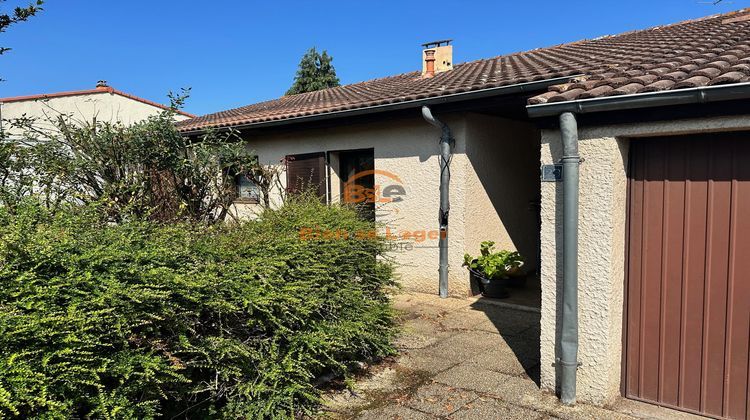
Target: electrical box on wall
{"points": [[552, 173]]}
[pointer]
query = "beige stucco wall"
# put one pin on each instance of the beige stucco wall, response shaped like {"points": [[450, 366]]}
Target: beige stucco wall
{"points": [[104, 106], [409, 149], [503, 185], [601, 271]]}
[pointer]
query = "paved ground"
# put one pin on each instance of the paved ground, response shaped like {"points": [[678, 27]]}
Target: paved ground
{"points": [[466, 359]]}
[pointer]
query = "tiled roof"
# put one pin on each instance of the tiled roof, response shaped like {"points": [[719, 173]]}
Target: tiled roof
{"points": [[103, 89], [707, 51], [703, 52]]}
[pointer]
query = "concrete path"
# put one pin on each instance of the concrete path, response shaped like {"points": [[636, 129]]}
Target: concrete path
{"points": [[467, 359]]}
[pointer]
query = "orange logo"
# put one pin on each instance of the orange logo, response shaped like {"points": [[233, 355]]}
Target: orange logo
{"points": [[391, 193]]}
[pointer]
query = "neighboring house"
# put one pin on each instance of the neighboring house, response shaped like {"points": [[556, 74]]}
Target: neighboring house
{"points": [[103, 103], [662, 190]]}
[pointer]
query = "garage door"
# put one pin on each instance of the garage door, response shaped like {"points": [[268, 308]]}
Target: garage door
{"points": [[688, 274]]}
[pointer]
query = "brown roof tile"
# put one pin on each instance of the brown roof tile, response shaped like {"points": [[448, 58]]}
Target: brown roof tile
{"points": [[675, 56]]}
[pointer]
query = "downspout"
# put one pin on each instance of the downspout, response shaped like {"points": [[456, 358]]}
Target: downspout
{"points": [[446, 141], [568, 360]]}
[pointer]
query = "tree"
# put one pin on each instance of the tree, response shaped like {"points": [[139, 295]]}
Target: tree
{"points": [[315, 72], [19, 14]]}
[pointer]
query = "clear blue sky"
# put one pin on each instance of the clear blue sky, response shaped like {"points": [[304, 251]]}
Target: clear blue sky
{"points": [[234, 53]]}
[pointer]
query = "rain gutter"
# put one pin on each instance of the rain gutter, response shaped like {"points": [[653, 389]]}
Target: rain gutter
{"points": [[699, 95]]}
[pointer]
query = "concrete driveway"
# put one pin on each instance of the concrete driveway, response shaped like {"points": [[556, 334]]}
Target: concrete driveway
{"points": [[466, 359]]}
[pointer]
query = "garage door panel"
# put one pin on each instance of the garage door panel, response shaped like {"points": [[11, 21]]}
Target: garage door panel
{"points": [[717, 258], [671, 304], [688, 302], [651, 262], [694, 248], [738, 325], [635, 218]]}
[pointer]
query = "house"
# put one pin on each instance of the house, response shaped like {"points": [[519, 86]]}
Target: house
{"points": [[635, 226], [104, 103]]}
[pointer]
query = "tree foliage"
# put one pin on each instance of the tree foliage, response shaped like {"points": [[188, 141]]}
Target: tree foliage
{"points": [[315, 72], [142, 320], [18, 14]]}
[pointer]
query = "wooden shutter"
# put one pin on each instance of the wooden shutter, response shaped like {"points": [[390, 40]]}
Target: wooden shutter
{"points": [[307, 171]]}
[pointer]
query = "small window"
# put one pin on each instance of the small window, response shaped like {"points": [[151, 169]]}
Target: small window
{"points": [[306, 172], [247, 190]]}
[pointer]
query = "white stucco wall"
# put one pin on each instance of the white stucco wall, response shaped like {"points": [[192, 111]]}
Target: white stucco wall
{"points": [[601, 270], [409, 149], [105, 106]]}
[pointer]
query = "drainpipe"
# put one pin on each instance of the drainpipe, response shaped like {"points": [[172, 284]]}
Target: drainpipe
{"points": [[569, 337], [446, 141]]}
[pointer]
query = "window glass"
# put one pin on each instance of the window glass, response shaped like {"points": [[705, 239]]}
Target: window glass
{"points": [[247, 189]]}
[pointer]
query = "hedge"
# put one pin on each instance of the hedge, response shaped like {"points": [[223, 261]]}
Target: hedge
{"points": [[140, 320]]}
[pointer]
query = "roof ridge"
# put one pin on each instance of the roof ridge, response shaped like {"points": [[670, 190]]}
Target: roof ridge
{"points": [[107, 89]]}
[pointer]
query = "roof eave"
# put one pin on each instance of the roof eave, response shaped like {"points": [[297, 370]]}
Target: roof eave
{"points": [[697, 95], [415, 103]]}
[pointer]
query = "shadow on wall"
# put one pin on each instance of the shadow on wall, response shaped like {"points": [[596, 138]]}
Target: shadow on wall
{"points": [[505, 156]]}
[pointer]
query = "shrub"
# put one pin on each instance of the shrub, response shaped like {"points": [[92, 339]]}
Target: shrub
{"points": [[140, 320]]}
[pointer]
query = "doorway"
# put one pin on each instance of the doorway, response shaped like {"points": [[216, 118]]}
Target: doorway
{"points": [[357, 173]]}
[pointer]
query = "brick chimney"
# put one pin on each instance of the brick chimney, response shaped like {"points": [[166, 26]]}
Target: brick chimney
{"points": [[437, 57]]}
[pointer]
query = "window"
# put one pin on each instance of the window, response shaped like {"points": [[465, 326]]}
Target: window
{"points": [[247, 190], [306, 172]]}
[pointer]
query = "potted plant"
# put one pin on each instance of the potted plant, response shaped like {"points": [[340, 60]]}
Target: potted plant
{"points": [[493, 271]]}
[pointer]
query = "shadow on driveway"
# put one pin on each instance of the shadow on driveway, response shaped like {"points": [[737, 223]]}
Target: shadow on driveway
{"points": [[520, 329]]}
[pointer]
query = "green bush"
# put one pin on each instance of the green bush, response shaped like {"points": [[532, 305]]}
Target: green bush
{"points": [[140, 320]]}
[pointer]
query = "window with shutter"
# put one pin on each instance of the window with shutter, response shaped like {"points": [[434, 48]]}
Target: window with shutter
{"points": [[306, 172]]}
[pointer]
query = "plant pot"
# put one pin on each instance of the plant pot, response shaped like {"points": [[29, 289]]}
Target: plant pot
{"points": [[488, 287]]}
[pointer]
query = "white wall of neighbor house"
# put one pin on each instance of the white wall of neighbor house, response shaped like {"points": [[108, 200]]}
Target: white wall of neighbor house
{"points": [[105, 106], [602, 236], [409, 149]]}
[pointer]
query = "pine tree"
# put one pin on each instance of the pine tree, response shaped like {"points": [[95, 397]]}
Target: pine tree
{"points": [[315, 72]]}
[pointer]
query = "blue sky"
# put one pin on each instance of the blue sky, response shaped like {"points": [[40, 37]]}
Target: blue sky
{"points": [[234, 53]]}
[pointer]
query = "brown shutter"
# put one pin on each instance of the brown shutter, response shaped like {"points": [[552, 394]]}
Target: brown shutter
{"points": [[306, 171]]}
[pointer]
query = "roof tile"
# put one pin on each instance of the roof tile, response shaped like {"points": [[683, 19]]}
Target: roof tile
{"points": [[628, 89], [708, 51], [730, 77], [657, 86], [692, 82]]}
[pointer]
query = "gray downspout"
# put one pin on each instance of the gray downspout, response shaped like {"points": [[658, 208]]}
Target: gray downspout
{"points": [[569, 337], [445, 177]]}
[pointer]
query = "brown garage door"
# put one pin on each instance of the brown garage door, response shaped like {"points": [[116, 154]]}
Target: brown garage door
{"points": [[688, 273]]}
